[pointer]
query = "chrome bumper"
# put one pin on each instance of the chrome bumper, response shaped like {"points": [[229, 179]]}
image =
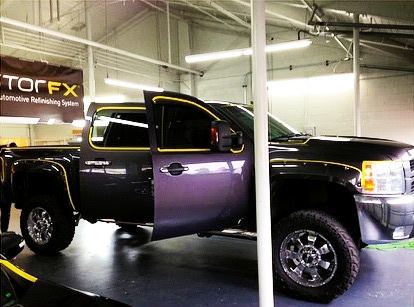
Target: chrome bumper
{"points": [[385, 219]]}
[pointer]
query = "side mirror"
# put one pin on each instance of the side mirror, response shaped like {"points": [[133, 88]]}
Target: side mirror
{"points": [[220, 133], [11, 245], [237, 139]]}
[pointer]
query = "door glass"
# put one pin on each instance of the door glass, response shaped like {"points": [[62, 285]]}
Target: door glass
{"points": [[182, 127]]}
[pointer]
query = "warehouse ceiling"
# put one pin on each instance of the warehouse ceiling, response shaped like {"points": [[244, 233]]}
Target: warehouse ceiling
{"points": [[386, 27]]}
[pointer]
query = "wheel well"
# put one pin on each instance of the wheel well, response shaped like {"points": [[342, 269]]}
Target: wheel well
{"points": [[28, 185], [293, 195]]}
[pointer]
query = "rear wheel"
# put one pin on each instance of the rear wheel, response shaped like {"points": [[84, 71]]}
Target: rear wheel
{"points": [[46, 225], [314, 257]]}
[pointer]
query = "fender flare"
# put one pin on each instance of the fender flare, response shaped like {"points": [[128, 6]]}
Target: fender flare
{"points": [[54, 168]]}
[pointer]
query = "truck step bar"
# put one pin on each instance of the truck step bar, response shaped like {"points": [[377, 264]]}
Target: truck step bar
{"points": [[231, 232]]}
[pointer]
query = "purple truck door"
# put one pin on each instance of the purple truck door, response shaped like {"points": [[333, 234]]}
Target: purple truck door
{"points": [[195, 189]]}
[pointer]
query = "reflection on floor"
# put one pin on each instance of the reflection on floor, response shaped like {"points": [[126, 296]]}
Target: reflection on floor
{"points": [[192, 271]]}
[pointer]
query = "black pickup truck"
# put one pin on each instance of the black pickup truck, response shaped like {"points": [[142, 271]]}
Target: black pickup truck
{"points": [[185, 166]]}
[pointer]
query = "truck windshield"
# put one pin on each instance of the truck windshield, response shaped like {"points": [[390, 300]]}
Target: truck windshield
{"points": [[278, 130]]}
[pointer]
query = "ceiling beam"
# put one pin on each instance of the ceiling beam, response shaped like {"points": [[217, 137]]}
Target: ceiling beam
{"points": [[360, 25], [209, 15], [228, 14], [87, 42], [296, 23]]}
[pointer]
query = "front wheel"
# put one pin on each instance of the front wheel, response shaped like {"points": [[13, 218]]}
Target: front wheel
{"points": [[46, 225], [314, 257]]}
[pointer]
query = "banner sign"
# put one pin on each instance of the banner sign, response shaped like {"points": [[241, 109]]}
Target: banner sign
{"points": [[37, 89]]}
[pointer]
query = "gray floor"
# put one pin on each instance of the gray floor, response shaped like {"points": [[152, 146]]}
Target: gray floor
{"points": [[192, 271]]}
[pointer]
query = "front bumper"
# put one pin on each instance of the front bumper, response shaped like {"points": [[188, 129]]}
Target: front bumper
{"points": [[384, 219]]}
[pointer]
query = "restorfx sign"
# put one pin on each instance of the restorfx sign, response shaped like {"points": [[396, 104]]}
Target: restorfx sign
{"points": [[37, 89]]}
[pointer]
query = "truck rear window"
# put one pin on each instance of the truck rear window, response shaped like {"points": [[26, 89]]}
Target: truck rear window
{"points": [[126, 128]]}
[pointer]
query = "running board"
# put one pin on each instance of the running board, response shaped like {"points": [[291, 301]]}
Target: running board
{"points": [[234, 233]]}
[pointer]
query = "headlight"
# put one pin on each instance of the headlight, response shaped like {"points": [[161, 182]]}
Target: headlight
{"points": [[383, 177]]}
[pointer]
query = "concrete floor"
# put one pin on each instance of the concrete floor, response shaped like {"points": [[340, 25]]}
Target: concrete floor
{"points": [[192, 271]]}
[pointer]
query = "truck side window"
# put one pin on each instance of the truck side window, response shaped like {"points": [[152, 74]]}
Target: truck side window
{"points": [[120, 129], [180, 126]]}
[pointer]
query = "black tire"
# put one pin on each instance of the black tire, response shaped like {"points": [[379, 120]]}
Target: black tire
{"points": [[314, 257], [47, 226]]}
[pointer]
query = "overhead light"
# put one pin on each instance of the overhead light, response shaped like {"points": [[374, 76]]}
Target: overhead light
{"points": [[19, 120], [51, 121], [133, 85], [288, 45], [195, 58], [218, 55]]}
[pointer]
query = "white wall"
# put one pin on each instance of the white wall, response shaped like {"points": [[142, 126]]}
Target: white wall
{"points": [[323, 104], [327, 104], [222, 79], [387, 102], [148, 39], [311, 104]]}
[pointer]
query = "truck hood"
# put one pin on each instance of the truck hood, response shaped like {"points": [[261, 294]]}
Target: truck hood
{"points": [[342, 149]]}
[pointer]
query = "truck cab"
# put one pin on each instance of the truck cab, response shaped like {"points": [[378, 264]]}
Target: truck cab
{"points": [[165, 167]]}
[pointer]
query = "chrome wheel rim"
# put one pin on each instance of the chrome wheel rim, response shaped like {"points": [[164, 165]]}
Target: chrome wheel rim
{"points": [[40, 226], [308, 258]]}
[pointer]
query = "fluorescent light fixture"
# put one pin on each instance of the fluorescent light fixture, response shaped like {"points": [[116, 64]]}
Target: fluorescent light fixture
{"points": [[133, 85], [218, 55], [19, 120], [195, 58], [288, 45]]}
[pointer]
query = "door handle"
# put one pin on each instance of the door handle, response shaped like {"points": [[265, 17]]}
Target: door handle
{"points": [[98, 163], [174, 169]]}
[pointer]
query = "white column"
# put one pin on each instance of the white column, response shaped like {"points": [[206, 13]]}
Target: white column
{"points": [[357, 103], [91, 65], [184, 47], [259, 79], [169, 32]]}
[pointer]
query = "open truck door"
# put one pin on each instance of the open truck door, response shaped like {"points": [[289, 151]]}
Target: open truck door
{"points": [[199, 185]]}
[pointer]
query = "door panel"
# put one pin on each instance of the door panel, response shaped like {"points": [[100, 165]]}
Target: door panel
{"points": [[195, 189]]}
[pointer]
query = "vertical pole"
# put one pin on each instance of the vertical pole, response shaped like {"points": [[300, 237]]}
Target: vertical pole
{"points": [[169, 32], [259, 79], [356, 69], [91, 65]]}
